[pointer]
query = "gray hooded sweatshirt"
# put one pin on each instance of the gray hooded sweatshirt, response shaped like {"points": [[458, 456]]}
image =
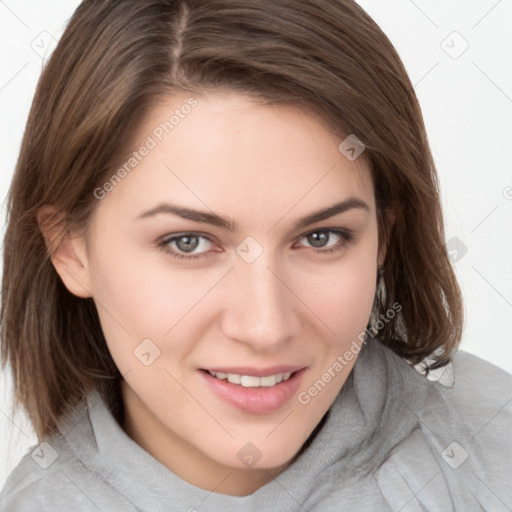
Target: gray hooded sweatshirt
{"points": [[393, 440]]}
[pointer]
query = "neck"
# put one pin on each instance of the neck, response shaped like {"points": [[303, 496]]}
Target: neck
{"points": [[183, 459]]}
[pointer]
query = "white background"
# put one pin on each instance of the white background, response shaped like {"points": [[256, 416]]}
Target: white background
{"points": [[467, 106]]}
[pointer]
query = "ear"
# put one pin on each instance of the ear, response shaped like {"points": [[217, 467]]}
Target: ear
{"points": [[389, 219], [67, 253]]}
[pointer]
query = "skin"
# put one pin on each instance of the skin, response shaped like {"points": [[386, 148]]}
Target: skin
{"points": [[263, 167]]}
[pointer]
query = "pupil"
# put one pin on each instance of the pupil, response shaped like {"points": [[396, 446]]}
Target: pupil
{"points": [[318, 239], [190, 244]]}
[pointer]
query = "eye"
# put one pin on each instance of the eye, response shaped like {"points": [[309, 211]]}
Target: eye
{"points": [[190, 246], [328, 240], [186, 245]]}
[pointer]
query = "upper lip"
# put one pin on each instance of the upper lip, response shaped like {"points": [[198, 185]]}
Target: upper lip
{"points": [[256, 372]]}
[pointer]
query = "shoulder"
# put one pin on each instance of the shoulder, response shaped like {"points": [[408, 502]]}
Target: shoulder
{"points": [[38, 478], [463, 416], [478, 373], [470, 399], [473, 387], [481, 392], [50, 477]]}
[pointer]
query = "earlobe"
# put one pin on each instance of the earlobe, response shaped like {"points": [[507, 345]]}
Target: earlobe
{"points": [[66, 252]]}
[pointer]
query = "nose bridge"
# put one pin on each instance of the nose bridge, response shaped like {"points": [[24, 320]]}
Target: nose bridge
{"points": [[262, 308]]}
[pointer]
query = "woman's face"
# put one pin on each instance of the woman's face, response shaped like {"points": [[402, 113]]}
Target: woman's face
{"points": [[223, 248]]}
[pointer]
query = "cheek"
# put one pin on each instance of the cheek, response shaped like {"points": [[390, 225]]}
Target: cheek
{"points": [[140, 296], [342, 294], [139, 289], [135, 300]]}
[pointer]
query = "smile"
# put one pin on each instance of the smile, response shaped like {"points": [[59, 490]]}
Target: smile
{"points": [[250, 381], [255, 394]]}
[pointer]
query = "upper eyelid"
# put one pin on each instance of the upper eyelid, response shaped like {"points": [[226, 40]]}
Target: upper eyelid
{"points": [[168, 238], [210, 238]]}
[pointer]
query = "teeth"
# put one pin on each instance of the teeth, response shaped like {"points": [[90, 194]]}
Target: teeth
{"points": [[232, 377], [270, 380], [250, 381]]}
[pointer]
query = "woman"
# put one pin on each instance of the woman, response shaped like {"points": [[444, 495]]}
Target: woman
{"points": [[224, 265]]}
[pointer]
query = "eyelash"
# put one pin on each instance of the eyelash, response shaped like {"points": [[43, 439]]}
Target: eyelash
{"points": [[346, 237]]}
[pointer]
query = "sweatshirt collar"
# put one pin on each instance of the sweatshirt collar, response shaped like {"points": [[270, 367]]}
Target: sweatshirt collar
{"points": [[372, 401]]}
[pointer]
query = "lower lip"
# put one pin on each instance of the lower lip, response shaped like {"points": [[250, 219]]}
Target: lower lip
{"points": [[255, 400]]}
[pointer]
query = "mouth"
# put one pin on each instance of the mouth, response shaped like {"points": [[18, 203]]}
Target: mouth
{"points": [[244, 389], [252, 381]]}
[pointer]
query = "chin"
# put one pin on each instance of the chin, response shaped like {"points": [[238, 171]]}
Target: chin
{"points": [[262, 452]]}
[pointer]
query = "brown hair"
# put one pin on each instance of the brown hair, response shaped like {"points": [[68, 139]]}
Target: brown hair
{"points": [[113, 61]]}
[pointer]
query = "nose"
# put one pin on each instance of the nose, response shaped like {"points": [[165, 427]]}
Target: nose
{"points": [[262, 308]]}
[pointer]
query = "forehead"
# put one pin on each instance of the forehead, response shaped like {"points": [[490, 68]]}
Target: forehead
{"points": [[229, 153]]}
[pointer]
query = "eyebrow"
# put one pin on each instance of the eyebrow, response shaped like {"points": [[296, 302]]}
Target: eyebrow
{"points": [[216, 220]]}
